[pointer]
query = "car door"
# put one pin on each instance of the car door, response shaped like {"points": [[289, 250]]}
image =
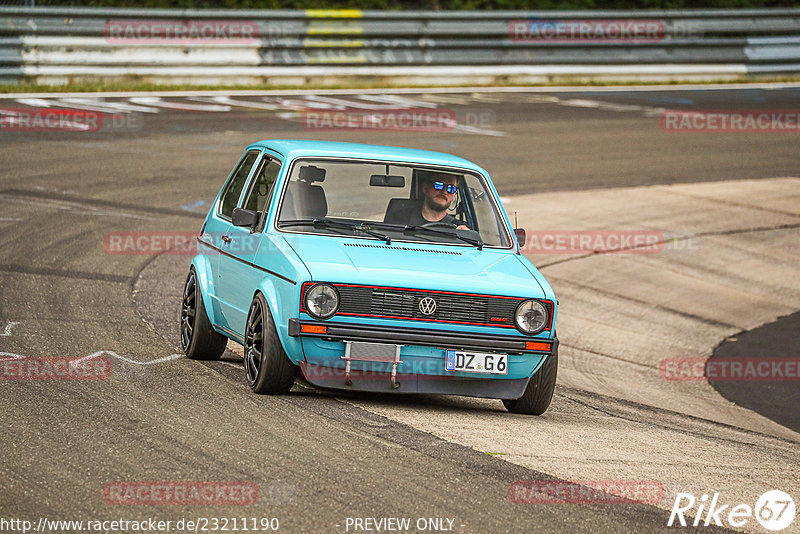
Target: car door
{"points": [[218, 226], [238, 275]]}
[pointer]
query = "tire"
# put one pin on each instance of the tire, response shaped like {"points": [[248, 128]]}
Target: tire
{"points": [[539, 392], [268, 370], [199, 340]]}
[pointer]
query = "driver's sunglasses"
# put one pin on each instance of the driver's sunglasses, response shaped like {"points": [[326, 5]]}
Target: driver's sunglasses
{"points": [[441, 185]]}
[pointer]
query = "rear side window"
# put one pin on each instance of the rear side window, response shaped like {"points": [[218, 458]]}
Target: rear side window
{"points": [[230, 196], [262, 185]]}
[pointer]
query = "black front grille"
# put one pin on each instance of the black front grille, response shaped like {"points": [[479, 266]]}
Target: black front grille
{"points": [[404, 303]]}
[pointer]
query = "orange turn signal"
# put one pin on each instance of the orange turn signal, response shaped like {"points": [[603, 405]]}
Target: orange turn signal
{"points": [[537, 345], [313, 329]]}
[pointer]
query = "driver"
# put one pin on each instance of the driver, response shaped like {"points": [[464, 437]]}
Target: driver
{"points": [[439, 191]]}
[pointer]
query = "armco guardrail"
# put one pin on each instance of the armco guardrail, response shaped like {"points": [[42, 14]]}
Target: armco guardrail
{"points": [[56, 45]]}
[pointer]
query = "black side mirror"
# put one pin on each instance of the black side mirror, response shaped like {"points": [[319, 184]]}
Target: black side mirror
{"points": [[519, 232], [243, 217]]}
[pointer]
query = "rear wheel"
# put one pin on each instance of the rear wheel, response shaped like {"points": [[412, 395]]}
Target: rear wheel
{"points": [[539, 392], [199, 340], [267, 367]]}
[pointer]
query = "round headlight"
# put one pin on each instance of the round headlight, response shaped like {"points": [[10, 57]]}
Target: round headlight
{"points": [[322, 301], [531, 316]]}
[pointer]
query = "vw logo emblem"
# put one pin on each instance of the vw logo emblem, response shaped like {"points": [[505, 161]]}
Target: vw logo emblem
{"points": [[427, 306]]}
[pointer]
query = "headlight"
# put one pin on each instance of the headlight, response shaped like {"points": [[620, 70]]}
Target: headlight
{"points": [[530, 317], [322, 301]]}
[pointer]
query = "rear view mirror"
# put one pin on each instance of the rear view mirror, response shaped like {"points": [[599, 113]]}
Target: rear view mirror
{"points": [[520, 233], [310, 173], [246, 218], [387, 180]]}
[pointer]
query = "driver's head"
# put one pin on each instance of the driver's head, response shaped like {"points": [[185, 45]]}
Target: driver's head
{"points": [[435, 187]]}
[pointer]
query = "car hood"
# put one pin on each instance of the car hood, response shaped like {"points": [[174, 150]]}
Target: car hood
{"points": [[415, 265]]}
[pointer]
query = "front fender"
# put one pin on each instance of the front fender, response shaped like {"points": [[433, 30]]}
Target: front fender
{"points": [[283, 299]]}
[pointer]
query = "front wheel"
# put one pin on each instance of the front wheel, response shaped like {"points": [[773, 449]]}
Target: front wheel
{"points": [[539, 392], [267, 367]]}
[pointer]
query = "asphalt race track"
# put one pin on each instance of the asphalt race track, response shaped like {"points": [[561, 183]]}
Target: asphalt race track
{"points": [[573, 159]]}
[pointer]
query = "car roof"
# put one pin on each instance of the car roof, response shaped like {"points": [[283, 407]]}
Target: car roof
{"points": [[295, 148]]}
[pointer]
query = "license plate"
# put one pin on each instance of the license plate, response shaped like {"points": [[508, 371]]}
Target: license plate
{"points": [[476, 362]]}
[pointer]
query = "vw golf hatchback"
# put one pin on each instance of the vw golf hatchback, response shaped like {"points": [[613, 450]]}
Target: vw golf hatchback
{"points": [[370, 268]]}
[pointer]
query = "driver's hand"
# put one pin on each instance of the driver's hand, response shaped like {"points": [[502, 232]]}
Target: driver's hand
{"points": [[462, 227]]}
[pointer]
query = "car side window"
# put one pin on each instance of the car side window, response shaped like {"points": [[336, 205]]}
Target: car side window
{"points": [[262, 185], [230, 196]]}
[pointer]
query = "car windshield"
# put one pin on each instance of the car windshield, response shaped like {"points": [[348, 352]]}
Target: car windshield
{"points": [[403, 202]]}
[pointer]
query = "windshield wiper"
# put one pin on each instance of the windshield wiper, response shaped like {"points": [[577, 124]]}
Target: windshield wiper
{"points": [[324, 222], [410, 228]]}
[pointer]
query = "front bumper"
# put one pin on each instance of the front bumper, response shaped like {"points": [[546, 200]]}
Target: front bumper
{"points": [[421, 366], [420, 336]]}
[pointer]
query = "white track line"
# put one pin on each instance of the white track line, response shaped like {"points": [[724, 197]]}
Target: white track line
{"points": [[9, 327], [156, 102], [75, 362], [124, 359]]}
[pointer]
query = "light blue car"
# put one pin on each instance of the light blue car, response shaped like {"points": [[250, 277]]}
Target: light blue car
{"points": [[370, 268]]}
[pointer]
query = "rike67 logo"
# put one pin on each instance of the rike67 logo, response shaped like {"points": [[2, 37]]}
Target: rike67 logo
{"points": [[774, 510]]}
